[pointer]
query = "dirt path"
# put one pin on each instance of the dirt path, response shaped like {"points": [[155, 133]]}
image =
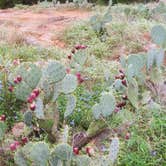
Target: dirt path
{"points": [[40, 27]]}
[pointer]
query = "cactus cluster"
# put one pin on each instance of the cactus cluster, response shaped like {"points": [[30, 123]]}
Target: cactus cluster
{"points": [[52, 80], [40, 154], [98, 22], [32, 154], [138, 66]]}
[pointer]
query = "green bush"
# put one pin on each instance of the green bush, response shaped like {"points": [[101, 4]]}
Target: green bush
{"points": [[11, 3], [6, 3]]}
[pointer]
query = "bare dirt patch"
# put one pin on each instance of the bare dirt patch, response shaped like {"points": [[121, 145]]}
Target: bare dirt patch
{"points": [[40, 28]]}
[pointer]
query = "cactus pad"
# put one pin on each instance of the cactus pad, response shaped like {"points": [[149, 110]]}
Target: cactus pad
{"points": [[28, 118], [54, 72], [39, 154], [39, 112], [105, 106], [63, 152], [133, 93], [71, 104], [158, 34], [68, 84]]}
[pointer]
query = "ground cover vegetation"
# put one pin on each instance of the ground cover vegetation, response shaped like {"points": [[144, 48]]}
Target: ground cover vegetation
{"points": [[100, 100]]}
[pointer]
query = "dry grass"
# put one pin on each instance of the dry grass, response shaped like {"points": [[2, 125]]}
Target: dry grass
{"points": [[12, 36]]}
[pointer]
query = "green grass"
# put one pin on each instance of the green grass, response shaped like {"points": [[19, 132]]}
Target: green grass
{"points": [[120, 34], [30, 53], [147, 143]]}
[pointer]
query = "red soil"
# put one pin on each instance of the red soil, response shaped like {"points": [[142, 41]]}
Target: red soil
{"points": [[42, 27]]}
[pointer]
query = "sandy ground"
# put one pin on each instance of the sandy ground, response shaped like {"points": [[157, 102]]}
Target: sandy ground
{"points": [[40, 27]]}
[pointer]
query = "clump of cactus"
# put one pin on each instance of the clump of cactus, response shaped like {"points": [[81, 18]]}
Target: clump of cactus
{"points": [[40, 87], [139, 68], [62, 154], [98, 22]]}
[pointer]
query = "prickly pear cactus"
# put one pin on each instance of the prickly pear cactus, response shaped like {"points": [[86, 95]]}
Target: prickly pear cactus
{"points": [[65, 134], [80, 57], [63, 152], [114, 149], [98, 22], [39, 111], [30, 75], [68, 84], [54, 72], [32, 154], [137, 61], [155, 57], [22, 91], [28, 118], [56, 91], [20, 159], [158, 34], [132, 91], [71, 104], [83, 160], [21, 156], [105, 107], [39, 154]]}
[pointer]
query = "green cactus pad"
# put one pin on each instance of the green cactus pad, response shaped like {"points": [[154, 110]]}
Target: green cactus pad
{"points": [[57, 92], [107, 18], [105, 107], [108, 104], [83, 160], [31, 75], [54, 160], [137, 61], [80, 57], [39, 154], [155, 56], [96, 111], [28, 118], [114, 149], [130, 72], [132, 91], [63, 152], [39, 112], [54, 72], [20, 159], [47, 90], [158, 34], [71, 104], [68, 84], [22, 91]]}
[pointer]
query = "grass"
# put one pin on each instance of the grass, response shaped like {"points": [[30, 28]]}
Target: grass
{"points": [[30, 53], [123, 37], [147, 143]]}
